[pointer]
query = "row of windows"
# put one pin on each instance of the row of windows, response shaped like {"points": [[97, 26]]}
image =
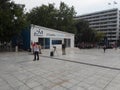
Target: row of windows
{"points": [[98, 16], [101, 13], [110, 30], [104, 23], [109, 33], [101, 21], [111, 36], [54, 42], [100, 25], [105, 19], [103, 27], [101, 17]]}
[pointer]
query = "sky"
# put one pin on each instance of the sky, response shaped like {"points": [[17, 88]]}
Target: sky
{"points": [[81, 6]]}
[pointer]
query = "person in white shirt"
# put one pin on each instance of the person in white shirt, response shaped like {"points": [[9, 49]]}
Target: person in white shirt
{"points": [[63, 49], [36, 52]]}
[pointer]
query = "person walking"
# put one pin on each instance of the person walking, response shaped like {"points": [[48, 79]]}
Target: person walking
{"points": [[32, 45], [63, 49], [40, 47], [104, 48], [36, 52]]}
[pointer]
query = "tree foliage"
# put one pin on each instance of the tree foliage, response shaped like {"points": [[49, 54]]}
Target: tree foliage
{"points": [[51, 17], [85, 34], [65, 18], [12, 19], [99, 36], [43, 15]]}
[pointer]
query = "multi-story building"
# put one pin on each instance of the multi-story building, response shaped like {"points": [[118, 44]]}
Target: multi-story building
{"points": [[107, 21]]}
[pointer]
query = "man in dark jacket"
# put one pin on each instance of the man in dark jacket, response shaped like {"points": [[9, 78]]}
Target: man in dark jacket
{"points": [[63, 49]]}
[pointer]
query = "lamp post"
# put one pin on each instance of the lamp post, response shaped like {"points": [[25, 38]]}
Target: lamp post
{"points": [[16, 46]]}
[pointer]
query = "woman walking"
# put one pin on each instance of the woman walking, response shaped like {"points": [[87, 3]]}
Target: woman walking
{"points": [[36, 52]]}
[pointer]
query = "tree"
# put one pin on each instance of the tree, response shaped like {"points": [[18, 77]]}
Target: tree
{"points": [[86, 34], [65, 18], [51, 17], [12, 19], [43, 15], [99, 36]]}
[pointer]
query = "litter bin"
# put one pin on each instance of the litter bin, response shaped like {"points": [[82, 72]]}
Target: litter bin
{"points": [[51, 53]]}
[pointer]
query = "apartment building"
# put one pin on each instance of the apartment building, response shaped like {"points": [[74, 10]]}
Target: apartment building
{"points": [[107, 21]]}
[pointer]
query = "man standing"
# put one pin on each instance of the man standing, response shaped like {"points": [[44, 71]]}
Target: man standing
{"points": [[36, 52], [32, 45], [104, 48], [40, 47], [63, 49]]}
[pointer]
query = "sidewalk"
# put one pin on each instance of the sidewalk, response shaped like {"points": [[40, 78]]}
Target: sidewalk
{"points": [[89, 56], [19, 72]]}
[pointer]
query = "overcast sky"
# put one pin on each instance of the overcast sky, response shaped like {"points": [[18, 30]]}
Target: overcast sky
{"points": [[81, 6]]}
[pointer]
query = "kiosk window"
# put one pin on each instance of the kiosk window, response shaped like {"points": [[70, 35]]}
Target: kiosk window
{"points": [[56, 42]]}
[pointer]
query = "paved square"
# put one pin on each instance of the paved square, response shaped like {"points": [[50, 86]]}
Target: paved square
{"points": [[80, 69]]}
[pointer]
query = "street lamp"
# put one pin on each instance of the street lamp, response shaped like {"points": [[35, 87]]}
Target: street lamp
{"points": [[16, 46]]}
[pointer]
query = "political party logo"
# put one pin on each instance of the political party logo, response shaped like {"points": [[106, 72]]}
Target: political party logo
{"points": [[38, 32]]}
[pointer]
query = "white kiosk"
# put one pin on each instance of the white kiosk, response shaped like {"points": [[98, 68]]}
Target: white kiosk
{"points": [[49, 37]]}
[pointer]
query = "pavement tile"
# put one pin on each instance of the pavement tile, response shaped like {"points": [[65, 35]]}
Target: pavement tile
{"points": [[116, 87], [21, 73], [58, 88], [31, 82], [6, 87], [39, 88], [22, 87], [94, 88], [77, 88], [84, 85]]}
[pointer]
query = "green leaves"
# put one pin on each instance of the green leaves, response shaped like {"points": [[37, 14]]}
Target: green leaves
{"points": [[85, 34], [12, 19], [51, 17], [43, 15]]}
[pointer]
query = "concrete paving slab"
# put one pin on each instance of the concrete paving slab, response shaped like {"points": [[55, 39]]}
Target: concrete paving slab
{"points": [[61, 72]]}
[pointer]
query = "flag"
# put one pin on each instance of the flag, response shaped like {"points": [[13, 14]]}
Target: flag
{"points": [[109, 3], [115, 2]]}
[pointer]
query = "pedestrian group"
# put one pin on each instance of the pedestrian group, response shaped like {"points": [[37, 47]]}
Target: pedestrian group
{"points": [[36, 49]]}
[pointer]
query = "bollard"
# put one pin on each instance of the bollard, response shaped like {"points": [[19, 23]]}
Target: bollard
{"points": [[16, 48]]}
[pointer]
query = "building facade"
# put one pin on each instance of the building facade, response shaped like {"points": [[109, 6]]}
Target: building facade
{"points": [[48, 38], [107, 21]]}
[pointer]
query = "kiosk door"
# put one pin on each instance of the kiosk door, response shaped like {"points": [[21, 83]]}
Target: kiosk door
{"points": [[67, 42], [45, 42]]}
